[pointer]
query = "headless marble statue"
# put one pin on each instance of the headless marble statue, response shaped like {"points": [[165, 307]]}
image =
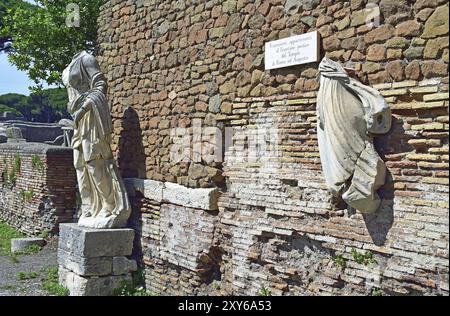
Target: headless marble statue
{"points": [[104, 200], [349, 113]]}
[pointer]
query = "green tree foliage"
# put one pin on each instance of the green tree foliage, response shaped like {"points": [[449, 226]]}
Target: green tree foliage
{"points": [[42, 43], [46, 106], [5, 39], [57, 99], [17, 102], [5, 108]]}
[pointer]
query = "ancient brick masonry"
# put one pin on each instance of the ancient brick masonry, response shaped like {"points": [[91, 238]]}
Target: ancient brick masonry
{"points": [[275, 225], [38, 187], [291, 217]]}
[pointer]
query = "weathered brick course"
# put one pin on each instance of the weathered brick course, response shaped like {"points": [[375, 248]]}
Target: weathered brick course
{"points": [[38, 187]]}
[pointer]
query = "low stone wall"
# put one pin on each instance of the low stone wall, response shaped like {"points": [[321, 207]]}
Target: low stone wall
{"points": [[34, 132], [38, 187]]}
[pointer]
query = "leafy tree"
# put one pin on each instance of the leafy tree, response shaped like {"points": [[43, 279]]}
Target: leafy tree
{"points": [[48, 105], [18, 102], [5, 5], [43, 106], [14, 101], [5, 108], [58, 99], [42, 43], [5, 39]]}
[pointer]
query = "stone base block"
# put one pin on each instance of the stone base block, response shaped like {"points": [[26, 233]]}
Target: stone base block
{"points": [[21, 244], [94, 243], [100, 266], [91, 286], [85, 266], [93, 262]]}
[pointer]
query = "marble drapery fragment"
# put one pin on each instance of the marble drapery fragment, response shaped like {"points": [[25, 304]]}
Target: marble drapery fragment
{"points": [[104, 200], [349, 115]]}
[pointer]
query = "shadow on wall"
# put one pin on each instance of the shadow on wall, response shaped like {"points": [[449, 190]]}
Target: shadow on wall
{"points": [[136, 222], [131, 161], [131, 156], [380, 223]]}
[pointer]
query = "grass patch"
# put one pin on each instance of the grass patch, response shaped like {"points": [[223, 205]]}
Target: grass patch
{"points": [[128, 289], [365, 258], [22, 276], [44, 234], [6, 234], [377, 292], [264, 291], [340, 261], [27, 196], [51, 283], [30, 250], [37, 163], [14, 259], [9, 287], [135, 288], [17, 163]]}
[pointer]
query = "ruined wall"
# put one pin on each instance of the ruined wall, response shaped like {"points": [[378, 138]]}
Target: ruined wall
{"points": [[38, 187], [275, 225]]}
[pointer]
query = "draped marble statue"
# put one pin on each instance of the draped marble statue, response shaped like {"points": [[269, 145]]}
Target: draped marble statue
{"points": [[103, 197], [349, 115]]}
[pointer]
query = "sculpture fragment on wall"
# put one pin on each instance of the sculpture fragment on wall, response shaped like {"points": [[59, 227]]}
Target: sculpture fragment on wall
{"points": [[104, 199], [350, 114]]}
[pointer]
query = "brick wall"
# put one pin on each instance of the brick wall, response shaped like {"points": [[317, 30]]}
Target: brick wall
{"points": [[171, 62], [38, 187]]}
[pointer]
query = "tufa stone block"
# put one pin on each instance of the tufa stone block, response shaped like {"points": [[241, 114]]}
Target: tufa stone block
{"points": [[83, 286], [100, 266], [21, 244], [94, 243], [123, 265], [205, 199], [202, 198]]}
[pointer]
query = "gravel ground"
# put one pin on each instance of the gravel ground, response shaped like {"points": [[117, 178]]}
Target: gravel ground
{"points": [[10, 285]]}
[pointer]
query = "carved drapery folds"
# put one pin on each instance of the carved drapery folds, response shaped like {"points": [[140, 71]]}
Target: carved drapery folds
{"points": [[104, 201], [349, 115]]}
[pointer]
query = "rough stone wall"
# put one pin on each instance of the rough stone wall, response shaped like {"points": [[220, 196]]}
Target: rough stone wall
{"points": [[38, 187], [170, 62]]}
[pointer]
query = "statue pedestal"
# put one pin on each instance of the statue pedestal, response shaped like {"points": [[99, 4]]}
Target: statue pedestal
{"points": [[92, 262]]}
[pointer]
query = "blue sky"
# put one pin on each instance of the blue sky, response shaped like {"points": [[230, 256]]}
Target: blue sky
{"points": [[12, 80]]}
